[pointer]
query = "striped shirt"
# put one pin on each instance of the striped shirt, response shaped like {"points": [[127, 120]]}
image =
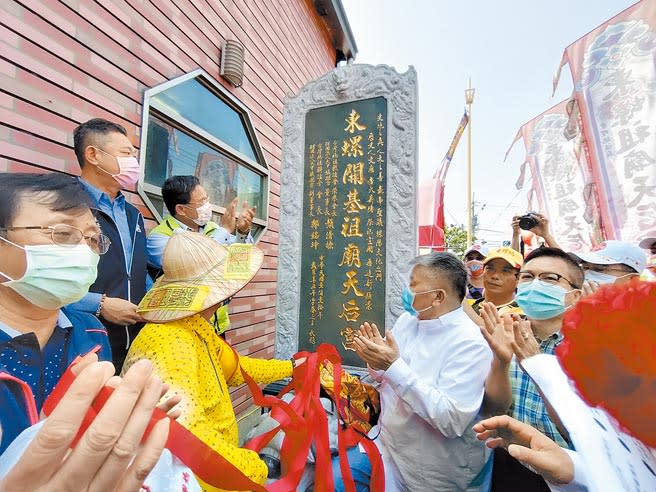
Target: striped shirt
{"points": [[528, 406]]}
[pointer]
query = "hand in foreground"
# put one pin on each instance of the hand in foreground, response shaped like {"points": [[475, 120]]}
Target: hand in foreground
{"points": [[529, 446], [120, 312], [245, 218], [103, 458], [169, 403], [498, 332], [524, 344], [379, 353]]}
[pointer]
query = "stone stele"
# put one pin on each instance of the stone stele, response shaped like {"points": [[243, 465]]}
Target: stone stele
{"points": [[346, 84]]}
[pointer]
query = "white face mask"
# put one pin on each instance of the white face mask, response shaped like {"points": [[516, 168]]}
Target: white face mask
{"points": [[599, 277], [55, 275], [204, 214]]}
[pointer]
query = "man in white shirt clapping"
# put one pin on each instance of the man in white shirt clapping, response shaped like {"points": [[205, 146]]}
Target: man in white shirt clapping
{"points": [[432, 371]]}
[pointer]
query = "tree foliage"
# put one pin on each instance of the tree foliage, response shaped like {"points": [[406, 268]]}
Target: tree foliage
{"points": [[455, 238]]}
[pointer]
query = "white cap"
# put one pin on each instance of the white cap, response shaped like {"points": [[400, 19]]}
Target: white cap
{"points": [[616, 252], [481, 248]]}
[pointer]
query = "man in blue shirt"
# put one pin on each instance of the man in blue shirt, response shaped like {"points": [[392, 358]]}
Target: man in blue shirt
{"points": [[108, 162], [49, 249]]}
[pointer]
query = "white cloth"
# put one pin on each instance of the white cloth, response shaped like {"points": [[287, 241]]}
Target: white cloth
{"points": [[429, 399], [168, 475], [606, 458]]}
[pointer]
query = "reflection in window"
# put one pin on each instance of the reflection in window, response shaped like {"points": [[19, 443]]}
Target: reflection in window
{"points": [[193, 128], [171, 152], [194, 102]]}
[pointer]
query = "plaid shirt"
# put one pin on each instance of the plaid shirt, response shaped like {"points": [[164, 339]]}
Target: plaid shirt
{"points": [[528, 406]]}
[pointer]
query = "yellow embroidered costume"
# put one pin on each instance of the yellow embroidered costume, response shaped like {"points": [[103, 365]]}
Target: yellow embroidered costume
{"points": [[186, 352], [200, 366]]}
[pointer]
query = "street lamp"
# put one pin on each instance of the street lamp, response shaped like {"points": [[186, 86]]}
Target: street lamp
{"points": [[469, 99]]}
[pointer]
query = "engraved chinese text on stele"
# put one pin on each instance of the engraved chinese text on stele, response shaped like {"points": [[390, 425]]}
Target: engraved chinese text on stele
{"points": [[347, 84]]}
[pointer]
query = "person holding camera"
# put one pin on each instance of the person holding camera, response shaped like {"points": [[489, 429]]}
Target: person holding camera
{"points": [[536, 223]]}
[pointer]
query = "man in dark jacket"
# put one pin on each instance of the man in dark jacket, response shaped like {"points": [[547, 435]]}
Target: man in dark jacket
{"points": [[109, 163]]}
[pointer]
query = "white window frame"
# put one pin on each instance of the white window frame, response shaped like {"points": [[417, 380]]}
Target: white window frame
{"points": [[259, 167]]}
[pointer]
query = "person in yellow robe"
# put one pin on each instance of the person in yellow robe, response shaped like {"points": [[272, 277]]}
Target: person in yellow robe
{"points": [[186, 352]]}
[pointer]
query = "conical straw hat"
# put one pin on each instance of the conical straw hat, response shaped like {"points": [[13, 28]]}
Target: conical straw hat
{"points": [[198, 273]]}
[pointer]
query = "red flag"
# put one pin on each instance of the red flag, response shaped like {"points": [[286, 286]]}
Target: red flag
{"points": [[430, 199]]}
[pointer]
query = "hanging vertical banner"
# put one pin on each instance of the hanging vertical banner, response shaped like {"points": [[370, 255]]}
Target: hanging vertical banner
{"points": [[614, 81], [557, 176], [430, 214], [430, 198]]}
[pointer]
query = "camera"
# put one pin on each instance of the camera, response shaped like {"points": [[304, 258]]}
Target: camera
{"points": [[528, 221]]}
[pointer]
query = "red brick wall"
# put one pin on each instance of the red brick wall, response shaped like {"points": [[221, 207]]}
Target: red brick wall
{"points": [[63, 62]]}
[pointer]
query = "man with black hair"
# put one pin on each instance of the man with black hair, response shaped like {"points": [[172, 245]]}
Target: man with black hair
{"points": [[108, 161], [432, 368], [549, 283], [500, 274], [49, 249], [187, 202]]}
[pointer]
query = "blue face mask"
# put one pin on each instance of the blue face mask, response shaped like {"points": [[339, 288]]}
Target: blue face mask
{"points": [[408, 299], [540, 300]]}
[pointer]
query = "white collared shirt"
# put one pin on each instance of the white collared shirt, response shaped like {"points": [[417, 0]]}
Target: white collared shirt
{"points": [[429, 399]]}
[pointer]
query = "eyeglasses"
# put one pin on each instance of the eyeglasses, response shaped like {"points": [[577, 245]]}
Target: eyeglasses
{"points": [[546, 277], [67, 235], [196, 204]]}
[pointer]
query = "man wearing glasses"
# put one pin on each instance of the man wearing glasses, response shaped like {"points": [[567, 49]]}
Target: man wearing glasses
{"points": [[108, 161], [549, 284], [187, 202], [49, 250]]}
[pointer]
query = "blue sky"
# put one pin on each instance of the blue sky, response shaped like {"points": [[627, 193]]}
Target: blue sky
{"points": [[510, 49]]}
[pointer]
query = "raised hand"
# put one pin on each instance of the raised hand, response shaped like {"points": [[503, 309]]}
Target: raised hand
{"points": [[245, 218], [371, 333], [498, 332], [378, 356], [524, 344], [109, 456], [228, 219]]}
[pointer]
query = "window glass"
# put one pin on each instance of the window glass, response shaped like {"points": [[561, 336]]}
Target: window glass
{"points": [[196, 103], [171, 151]]}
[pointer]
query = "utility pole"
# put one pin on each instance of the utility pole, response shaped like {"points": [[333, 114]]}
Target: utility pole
{"points": [[469, 99]]}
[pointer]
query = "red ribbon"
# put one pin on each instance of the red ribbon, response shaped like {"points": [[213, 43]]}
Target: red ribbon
{"points": [[303, 420]]}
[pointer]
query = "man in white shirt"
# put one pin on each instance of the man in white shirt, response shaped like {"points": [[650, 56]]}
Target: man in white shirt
{"points": [[432, 372]]}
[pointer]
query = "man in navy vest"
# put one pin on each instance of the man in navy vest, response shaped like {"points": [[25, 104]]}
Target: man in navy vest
{"points": [[108, 162]]}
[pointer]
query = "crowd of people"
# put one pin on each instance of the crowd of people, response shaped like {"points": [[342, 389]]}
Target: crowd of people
{"points": [[86, 292]]}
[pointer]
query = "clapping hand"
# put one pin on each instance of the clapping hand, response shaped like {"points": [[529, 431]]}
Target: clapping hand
{"points": [[378, 352], [498, 332], [109, 455]]}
